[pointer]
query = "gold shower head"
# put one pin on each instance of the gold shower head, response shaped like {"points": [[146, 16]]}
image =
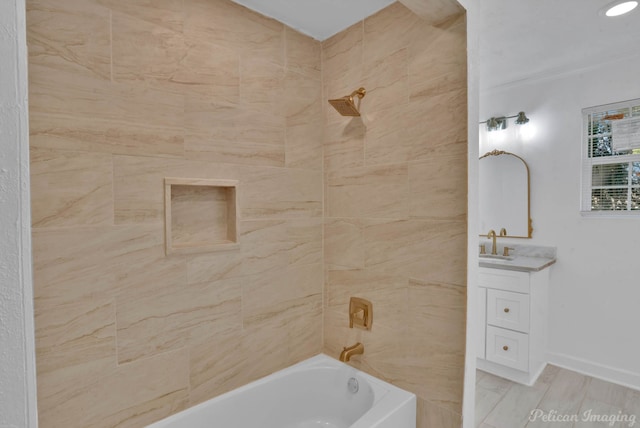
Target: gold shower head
{"points": [[346, 106]]}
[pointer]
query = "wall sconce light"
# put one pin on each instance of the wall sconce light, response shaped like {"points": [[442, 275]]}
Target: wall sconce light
{"points": [[499, 123], [521, 118], [496, 123]]}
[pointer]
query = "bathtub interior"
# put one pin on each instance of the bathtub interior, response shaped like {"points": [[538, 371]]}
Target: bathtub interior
{"points": [[314, 393]]}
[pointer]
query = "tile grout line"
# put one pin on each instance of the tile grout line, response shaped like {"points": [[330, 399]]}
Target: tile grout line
{"points": [[503, 395], [586, 393], [545, 393], [111, 45]]}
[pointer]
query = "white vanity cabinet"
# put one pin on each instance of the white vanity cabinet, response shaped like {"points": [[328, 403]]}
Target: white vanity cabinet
{"points": [[513, 323]]}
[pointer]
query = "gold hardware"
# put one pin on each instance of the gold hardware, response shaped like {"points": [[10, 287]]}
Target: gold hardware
{"points": [[505, 348], [506, 310], [348, 352], [503, 232], [506, 251], [492, 235], [483, 249], [346, 106], [360, 313]]}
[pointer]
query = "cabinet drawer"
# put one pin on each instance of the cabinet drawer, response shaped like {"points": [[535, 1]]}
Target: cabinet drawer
{"points": [[507, 280], [507, 309], [508, 348]]}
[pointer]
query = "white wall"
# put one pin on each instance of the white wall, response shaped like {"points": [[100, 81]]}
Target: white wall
{"points": [[473, 93], [595, 285], [17, 358]]}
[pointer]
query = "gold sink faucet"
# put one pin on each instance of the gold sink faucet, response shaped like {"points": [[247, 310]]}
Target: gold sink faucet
{"points": [[350, 351], [492, 235]]}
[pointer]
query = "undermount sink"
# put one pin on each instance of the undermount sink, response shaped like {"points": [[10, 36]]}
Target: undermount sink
{"points": [[496, 257]]}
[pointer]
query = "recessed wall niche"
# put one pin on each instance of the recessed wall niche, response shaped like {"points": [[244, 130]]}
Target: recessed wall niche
{"points": [[200, 215]]}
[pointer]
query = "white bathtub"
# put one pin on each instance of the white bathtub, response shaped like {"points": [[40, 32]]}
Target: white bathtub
{"points": [[312, 394]]}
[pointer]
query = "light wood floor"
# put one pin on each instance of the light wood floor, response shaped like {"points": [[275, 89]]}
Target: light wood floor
{"points": [[558, 392]]}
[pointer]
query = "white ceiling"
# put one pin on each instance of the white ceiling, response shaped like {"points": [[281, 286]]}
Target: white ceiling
{"points": [[523, 39], [519, 39], [318, 19]]}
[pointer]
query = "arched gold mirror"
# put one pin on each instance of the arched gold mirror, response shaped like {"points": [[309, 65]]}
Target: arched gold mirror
{"points": [[504, 195]]}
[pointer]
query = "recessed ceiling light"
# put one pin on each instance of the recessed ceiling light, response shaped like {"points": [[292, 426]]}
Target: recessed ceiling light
{"points": [[618, 8]]}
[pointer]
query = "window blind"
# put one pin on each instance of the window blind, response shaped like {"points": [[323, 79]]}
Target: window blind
{"points": [[611, 159]]}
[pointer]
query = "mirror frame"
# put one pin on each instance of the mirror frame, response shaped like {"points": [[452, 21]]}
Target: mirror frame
{"points": [[529, 220]]}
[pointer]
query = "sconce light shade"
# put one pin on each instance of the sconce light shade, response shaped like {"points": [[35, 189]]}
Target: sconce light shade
{"points": [[496, 123], [522, 118]]}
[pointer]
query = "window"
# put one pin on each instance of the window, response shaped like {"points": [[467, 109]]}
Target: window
{"points": [[610, 173]]}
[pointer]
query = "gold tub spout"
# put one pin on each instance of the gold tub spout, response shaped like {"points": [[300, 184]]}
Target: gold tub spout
{"points": [[350, 351]]}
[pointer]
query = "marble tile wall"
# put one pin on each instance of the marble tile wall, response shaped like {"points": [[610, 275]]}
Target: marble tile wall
{"points": [[122, 94], [396, 203]]}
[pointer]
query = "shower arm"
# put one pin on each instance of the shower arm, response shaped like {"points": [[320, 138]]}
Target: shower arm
{"points": [[360, 92]]}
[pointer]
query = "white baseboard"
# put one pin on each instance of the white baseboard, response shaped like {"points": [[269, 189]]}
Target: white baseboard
{"points": [[600, 371]]}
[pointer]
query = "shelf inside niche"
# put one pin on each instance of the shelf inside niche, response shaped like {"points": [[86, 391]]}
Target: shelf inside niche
{"points": [[200, 215]]}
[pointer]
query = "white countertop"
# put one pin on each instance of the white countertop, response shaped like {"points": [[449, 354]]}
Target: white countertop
{"points": [[523, 258], [519, 263]]}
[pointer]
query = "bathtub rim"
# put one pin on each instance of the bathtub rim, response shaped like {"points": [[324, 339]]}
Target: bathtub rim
{"points": [[384, 393]]}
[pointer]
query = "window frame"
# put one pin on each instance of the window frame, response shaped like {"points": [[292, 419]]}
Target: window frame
{"points": [[587, 162]]}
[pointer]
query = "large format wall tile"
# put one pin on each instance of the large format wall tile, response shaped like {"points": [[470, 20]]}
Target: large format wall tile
{"points": [[437, 125], [281, 193], [342, 70], [390, 31], [395, 203], [386, 141], [70, 37], [437, 188], [344, 143], [209, 69], [438, 60], [266, 297], [70, 132], [433, 250], [115, 397], [72, 263], [227, 23], [303, 144], [217, 369], [388, 291], [163, 13], [437, 325], [145, 52], [139, 184], [435, 416], [167, 318], [74, 334], [224, 132], [305, 236], [302, 54], [304, 119], [386, 81], [344, 243], [379, 191], [78, 188], [122, 95]]}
